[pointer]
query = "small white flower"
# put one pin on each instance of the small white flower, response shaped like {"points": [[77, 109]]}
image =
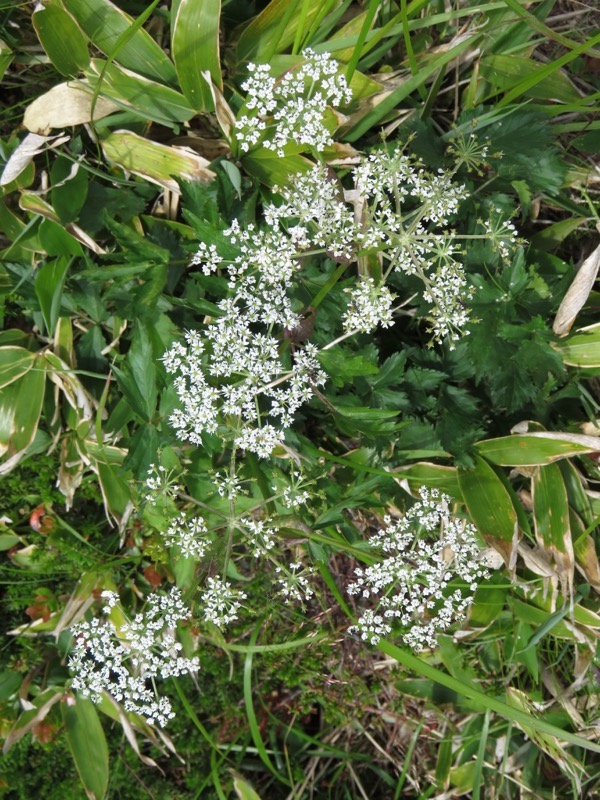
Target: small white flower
{"points": [[188, 535], [291, 110], [423, 552], [369, 306], [294, 582], [125, 661], [221, 602]]}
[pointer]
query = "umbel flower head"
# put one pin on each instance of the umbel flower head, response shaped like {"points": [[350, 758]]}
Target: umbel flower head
{"points": [[236, 378], [291, 109], [125, 660], [424, 553]]}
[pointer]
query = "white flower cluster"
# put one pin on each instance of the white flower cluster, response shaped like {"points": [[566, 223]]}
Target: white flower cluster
{"points": [[256, 393], [161, 485], [292, 108], [124, 660], [259, 535], [294, 582], [188, 536], [238, 379], [502, 234], [402, 213], [221, 602], [323, 220], [423, 552], [369, 307]]}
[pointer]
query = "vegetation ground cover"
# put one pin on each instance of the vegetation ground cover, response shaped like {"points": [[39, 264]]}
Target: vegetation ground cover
{"points": [[299, 399]]}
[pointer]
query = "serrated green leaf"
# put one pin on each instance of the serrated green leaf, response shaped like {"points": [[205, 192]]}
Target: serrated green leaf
{"points": [[135, 245], [137, 379]]}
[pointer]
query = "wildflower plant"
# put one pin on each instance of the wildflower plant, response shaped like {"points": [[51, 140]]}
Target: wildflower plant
{"points": [[425, 582], [125, 657], [244, 373]]}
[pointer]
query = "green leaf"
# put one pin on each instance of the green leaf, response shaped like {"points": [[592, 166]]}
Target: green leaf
{"points": [[155, 162], [115, 492], [20, 409], [15, 362], [87, 744], [433, 476], [581, 350], [69, 189], [9, 683], [363, 413], [490, 507], [195, 49], [243, 789], [553, 235], [551, 517], [49, 283], [274, 29], [136, 246], [139, 94], [56, 241], [137, 378], [340, 364], [504, 72], [273, 170], [8, 540], [103, 23], [535, 449], [62, 39]]}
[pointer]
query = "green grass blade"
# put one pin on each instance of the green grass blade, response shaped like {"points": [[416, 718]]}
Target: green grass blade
{"points": [[515, 715], [528, 83], [478, 776], [250, 713], [539, 26], [358, 49], [410, 53], [377, 114]]}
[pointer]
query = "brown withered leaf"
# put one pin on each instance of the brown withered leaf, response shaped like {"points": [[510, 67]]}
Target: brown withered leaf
{"points": [[577, 295]]}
